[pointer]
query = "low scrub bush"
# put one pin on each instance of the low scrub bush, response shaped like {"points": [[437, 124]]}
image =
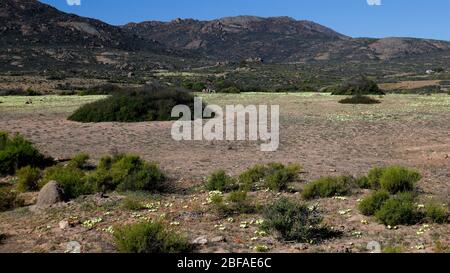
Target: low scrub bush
{"points": [[274, 176], [237, 202], [195, 86], [279, 176], [80, 161], [9, 200], [253, 177], [356, 86], [359, 99], [28, 179], [70, 179], [372, 180], [372, 203], [296, 222], [220, 181], [328, 187], [17, 152], [149, 237], [19, 92], [398, 179], [399, 210], [393, 179], [103, 89], [132, 203], [230, 90], [127, 173], [436, 213], [390, 249], [134, 106]]}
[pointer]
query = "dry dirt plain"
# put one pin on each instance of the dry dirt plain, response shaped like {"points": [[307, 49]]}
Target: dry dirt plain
{"points": [[325, 137]]}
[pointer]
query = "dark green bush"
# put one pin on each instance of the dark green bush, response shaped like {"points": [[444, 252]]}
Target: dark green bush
{"points": [[279, 176], [436, 213], [103, 89], [357, 86], [9, 200], [149, 237], [195, 86], [80, 161], [359, 99], [328, 187], [13, 92], [220, 181], [230, 90], [17, 152], [134, 106], [373, 178], [237, 202], [372, 203], [274, 176], [32, 93], [127, 173], [19, 92], [398, 179], [255, 175], [70, 179], [399, 210], [28, 179], [296, 222]]}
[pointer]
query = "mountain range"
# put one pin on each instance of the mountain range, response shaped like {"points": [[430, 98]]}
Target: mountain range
{"points": [[32, 25]]}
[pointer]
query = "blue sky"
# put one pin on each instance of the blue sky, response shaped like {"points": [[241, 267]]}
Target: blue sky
{"points": [[404, 18]]}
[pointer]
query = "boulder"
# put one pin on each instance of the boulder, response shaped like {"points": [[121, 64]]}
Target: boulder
{"points": [[50, 195]]}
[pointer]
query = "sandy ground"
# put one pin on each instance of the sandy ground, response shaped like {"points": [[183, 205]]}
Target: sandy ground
{"points": [[326, 138]]}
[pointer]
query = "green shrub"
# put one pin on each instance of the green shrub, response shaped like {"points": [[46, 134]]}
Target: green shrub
{"points": [[195, 86], [17, 152], [398, 179], [359, 99], [80, 161], [149, 177], [399, 210], [237, 202], [220, 181], [71, 180], [363, 182], [436, 213], [32, 93], [296, 222], [328, 187], [279, 176], [374, 176], [127, 173], [357, 86], [230, 90], [372, 203], [393, 249], [198, 86], [134, 106], [274, 176], [28, 179], [131, 203], [249, 179], [149, 237], [9, 200]]}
